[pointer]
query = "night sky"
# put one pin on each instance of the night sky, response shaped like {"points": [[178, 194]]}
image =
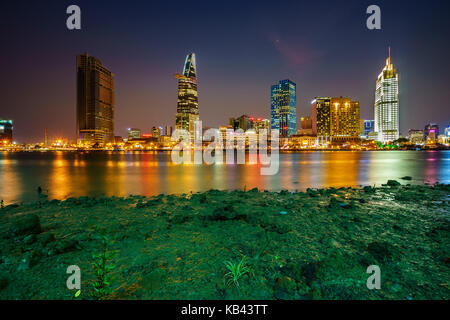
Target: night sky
{"points": [[242, 48]]}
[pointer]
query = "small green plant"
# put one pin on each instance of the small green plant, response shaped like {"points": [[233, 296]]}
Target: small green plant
{"points": [[103, 267], [235, 271]]}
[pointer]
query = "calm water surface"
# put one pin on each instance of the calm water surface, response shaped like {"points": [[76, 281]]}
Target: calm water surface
{"points": [[120, 174]]}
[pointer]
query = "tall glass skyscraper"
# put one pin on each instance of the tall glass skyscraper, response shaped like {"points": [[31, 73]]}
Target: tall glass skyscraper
{"points": [[95, 101], [187, 106], [386, 103], [283, 108]]}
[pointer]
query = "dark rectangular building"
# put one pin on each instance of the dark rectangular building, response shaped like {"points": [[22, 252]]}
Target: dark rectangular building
{"points": [[6, 131], [95, 102]]}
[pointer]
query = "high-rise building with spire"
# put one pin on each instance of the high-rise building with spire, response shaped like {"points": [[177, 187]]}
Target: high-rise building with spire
{"points": [[187, 106], [386, 103]]}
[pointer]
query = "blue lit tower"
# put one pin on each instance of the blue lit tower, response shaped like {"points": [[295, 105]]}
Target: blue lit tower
{"points": [[283, 108]]}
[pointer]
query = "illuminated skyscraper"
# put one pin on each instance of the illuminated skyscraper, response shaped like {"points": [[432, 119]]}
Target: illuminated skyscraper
{"points": [[6, 131], [187, 106], [368, 127], [283, 107], [335, 119], [431, 132], [134, 133], [95, 101], [387, 104]]}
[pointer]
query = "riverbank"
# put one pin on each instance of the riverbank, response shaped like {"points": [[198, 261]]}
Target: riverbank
{"points": [[295, 245]]}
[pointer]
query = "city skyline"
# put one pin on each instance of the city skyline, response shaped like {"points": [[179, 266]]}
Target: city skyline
{"points": [[144, 72]]}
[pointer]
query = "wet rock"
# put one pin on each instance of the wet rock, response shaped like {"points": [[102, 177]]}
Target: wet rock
{"points": [[3, 283], [200, 198], [149, 203], [334, 203], [309, 271], [285, 288], [403, 197], [28, 260], [224, 213], [83, 199], [26, 225], [66, 245], [393, 183], [141, 205], [381, 250], [30, 239], [71, 201], [11, 206], [46, 238], [345, 205]]}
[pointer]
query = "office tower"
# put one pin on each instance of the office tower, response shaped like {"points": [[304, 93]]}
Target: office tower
{"points": [[431, 128], [95, 101], [431, 132], [369, 126], [335, 119], [416, 136], [306, 122], [134, 133], [283, 107], [259, 124], [244, 122], [156, 132], [168, 131], [386, 103], [187, 105], [305, 127], [6, 131], [361, 128]]}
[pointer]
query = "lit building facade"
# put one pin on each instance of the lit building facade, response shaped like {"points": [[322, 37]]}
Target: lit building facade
{"points": [[369, 126], [387, 104], [187, 105], [431, 129], [305, 127], [134, 133], [95, 101], [335, 119], [416, 136], [244, 122], [156, 132], [283, 107], [431, 132], [6, 131], [260, 124], [168, 131]]}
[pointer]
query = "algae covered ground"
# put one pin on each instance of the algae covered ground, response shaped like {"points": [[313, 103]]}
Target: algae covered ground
{"points": [[293, 245]]}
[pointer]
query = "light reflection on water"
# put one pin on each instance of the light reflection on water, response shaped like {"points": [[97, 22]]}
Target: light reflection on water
{"points": [[75, 174]]}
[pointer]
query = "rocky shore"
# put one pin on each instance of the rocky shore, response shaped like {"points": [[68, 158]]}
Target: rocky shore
{"points": [[294, 245]]}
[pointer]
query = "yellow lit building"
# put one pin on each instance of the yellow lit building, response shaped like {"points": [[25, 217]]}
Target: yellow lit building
{"points": [[336, 119]]}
